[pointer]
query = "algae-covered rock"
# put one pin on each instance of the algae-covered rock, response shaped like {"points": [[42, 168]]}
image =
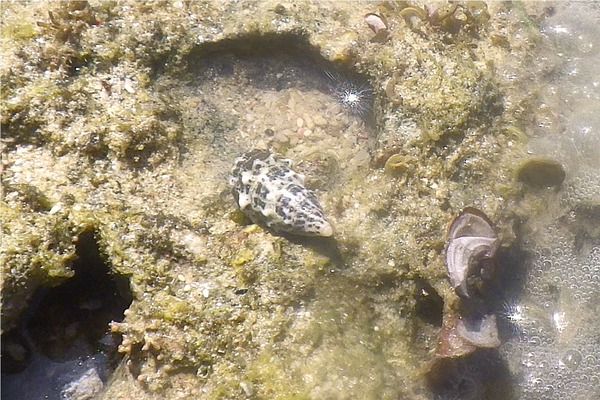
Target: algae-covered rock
{"points": [[124, 119], [541, 172]]}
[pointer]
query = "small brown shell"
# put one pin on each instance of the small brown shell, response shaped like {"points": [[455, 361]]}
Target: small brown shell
{"points": [[379, 26], [450, 343], [470, 250]]}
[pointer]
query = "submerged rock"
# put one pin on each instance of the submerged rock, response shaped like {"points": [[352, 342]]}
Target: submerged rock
{"points": [[126, 123], [84, 388]]}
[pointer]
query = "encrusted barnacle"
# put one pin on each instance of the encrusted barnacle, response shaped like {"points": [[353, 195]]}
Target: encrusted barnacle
{"points": [[470, 251], [269, 192], [450, 17], [413, 16]]}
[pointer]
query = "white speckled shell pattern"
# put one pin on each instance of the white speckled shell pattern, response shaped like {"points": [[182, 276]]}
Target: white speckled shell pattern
{"points": [[269, 192]]}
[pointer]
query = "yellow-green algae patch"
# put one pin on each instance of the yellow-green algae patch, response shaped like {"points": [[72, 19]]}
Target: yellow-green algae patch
{"points": [[101, 115]]}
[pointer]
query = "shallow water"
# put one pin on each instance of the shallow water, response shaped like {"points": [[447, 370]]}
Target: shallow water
{"points": [[555, 346]]}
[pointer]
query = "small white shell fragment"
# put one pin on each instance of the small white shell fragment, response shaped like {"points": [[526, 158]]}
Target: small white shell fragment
{"points": [[246, 387], [376, 23], [128, 86], [55, 208]]}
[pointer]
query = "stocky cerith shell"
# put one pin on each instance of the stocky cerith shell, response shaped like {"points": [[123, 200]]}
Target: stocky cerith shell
{"points": [[269, 192], [470, 250]]}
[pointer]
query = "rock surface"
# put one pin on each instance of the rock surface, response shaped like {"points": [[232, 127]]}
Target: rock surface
{"points": [[124, 118]]}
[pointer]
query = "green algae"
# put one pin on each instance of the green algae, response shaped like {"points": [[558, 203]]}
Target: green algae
{"points": [[19, 31], [273, 381], [37, 250], [448, 95], [541, 172]]}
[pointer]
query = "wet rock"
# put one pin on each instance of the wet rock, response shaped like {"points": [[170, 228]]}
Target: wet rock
{"points": [[84, 388], [143, 142]]}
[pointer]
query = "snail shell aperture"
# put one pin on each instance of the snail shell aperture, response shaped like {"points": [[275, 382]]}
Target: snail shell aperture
{"points": [[470, 251]]}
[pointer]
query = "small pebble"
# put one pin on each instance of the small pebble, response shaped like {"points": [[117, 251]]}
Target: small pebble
{"points": [[319, 120], [56, 208], [310, 124]]}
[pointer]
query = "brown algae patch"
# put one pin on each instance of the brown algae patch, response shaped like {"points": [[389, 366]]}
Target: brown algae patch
{"points": [[150, 125]]}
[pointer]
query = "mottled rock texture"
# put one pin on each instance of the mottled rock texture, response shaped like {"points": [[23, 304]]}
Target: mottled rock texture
{"points": [[124, 119]]}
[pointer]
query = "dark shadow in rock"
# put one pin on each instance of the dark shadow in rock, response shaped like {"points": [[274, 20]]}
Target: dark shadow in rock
{"points": [[281, 61], [429, 304], [62, 344], [508, 288], [482, 375], [326, 246]]}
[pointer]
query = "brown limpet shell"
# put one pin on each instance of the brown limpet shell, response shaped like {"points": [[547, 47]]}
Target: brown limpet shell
{"points": [[541, 172]]}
